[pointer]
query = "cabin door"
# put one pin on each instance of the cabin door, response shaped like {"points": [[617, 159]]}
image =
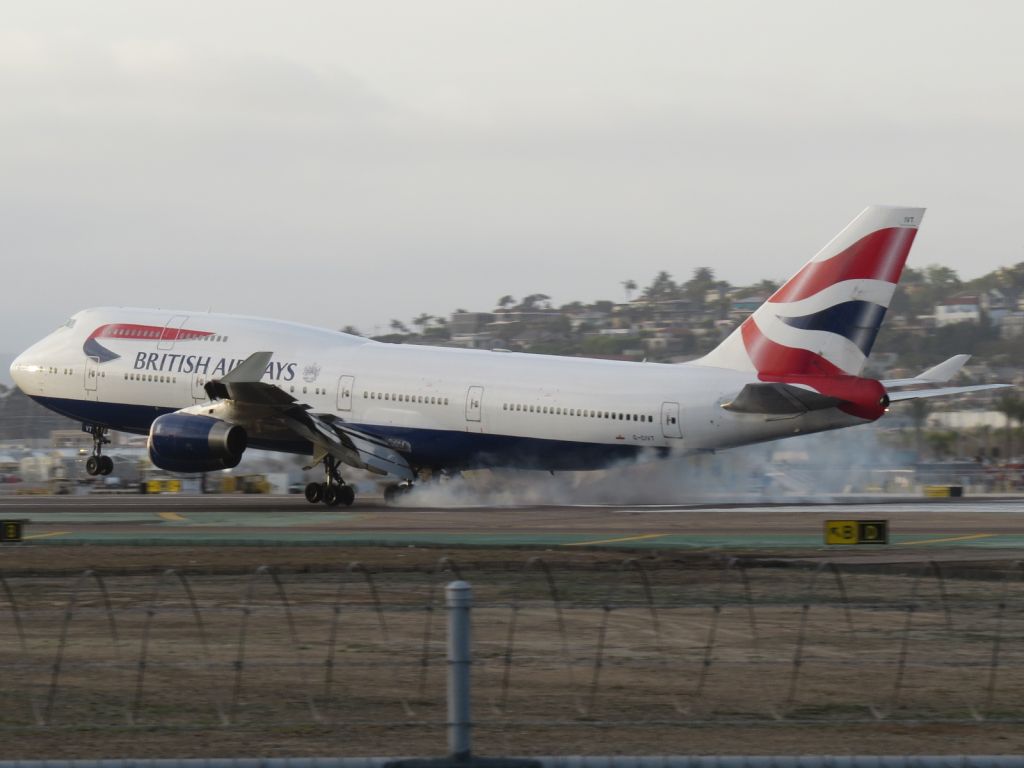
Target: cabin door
{"points": [[345, 386], [670, 426], [198, 387], [92, 375], [474, 409], [171, 332]]}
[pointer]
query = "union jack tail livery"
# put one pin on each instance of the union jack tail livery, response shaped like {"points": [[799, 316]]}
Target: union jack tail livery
{"points": [[824, 320]]}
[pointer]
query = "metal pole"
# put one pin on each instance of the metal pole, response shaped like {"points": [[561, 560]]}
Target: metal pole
{"points": [[459, 601]]}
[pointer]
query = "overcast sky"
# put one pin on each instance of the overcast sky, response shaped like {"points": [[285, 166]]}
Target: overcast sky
{"points": [[349, 162]]}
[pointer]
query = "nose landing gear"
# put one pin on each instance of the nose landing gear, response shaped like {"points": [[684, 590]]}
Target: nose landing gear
{"points": [[332, 492], [98, 464]]}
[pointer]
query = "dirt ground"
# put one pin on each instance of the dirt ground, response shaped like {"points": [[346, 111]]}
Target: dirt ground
{"points": [[576, 653]]}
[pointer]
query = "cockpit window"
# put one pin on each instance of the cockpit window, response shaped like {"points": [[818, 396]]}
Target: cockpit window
{"points": [[70, 323]]}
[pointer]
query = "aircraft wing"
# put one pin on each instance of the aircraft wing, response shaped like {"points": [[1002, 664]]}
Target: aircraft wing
{"points": [[257, 405]]}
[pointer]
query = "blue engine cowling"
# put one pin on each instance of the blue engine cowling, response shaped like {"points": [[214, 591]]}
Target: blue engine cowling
{"points": [[180, 442]]}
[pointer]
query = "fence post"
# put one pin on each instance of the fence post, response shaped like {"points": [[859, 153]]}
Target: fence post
{"points": [[459, 602]]}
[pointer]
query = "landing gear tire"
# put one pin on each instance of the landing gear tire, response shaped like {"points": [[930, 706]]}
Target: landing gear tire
{"points": [[314, 492], [330, 496], [346, 495], [98, 464], [332, 492]]}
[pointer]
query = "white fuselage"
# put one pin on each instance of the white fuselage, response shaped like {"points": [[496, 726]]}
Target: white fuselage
{"points": [[441, 407]]}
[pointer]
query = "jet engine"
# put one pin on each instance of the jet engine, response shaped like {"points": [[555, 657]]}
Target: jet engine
{"points": [[182, 442]]}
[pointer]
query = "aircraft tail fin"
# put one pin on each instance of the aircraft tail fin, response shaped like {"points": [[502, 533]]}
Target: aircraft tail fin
{"points": [[824, 320]]}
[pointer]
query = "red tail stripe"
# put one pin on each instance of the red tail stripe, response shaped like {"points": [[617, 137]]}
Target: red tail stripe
{"points": [[775, 362], [878, 256], [773, 359]]}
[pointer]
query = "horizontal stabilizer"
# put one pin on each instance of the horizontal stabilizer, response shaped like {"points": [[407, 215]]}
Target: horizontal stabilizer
{"points": [[778, 399], [937, 374], [917, 394]]}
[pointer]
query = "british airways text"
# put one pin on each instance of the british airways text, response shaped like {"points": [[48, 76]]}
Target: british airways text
{"points": [[173, 363]]}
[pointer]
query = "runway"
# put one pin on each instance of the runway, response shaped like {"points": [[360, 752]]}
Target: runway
{"points": [[983, 525]]}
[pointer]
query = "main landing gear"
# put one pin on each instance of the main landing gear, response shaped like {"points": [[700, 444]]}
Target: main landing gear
{"points": [[332, 492], [98, 464]]}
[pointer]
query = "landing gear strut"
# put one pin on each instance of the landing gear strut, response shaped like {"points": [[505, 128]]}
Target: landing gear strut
{"points": [[332, 492], [98, 464]]}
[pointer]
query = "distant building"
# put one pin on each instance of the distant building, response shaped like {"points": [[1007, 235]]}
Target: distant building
{"points": [[1012, 325], [468, 323], [469, 329], [71, 438], [744, 305], [962, 308]]}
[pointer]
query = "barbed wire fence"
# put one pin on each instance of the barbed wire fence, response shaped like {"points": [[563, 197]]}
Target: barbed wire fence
{"points": [[645, 643]]}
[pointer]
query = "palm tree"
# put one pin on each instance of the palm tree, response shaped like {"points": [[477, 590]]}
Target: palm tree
{"points": [[663, 287], [399, 327], [506, 301], [765, 287], [422, 321], [629, 286], [534, 299]]}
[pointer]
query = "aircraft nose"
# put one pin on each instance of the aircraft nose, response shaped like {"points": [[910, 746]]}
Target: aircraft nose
{"points": [[22, 368], [16, 368]]}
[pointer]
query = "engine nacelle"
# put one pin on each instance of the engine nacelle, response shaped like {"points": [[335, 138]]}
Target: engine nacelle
{"points": [[181, 442]]}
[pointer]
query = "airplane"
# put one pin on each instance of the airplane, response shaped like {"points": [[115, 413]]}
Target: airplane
{"points": [[205, 387]]}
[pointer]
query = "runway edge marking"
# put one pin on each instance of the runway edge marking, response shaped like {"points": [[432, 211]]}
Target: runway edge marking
{"points": [[45, 535], [615, 541], [948, 539]]}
